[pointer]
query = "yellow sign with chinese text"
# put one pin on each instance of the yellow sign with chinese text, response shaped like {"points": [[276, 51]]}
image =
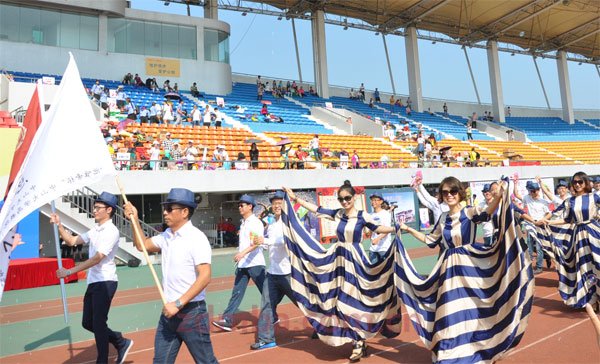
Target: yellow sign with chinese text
{"points": [[162, 67]]}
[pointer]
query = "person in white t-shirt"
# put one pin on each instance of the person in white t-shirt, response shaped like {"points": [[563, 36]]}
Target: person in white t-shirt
{"points": [[277, 283], [186, 270], [380, 243], [250, 260], [155, 155], [488, 226], [596, 185], [538, 209], [196, 116], [103, 240]]}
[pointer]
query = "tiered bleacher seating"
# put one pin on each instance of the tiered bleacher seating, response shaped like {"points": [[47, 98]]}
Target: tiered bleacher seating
{"points": [[549, 129], [367, 148], [529, 152], [295, 117], [587, 152], [459, 147]]}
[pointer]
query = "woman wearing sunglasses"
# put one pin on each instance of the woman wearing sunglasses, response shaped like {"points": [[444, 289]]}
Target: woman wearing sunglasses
{"points": [[574, 238], [474, 305], [338, 325]]}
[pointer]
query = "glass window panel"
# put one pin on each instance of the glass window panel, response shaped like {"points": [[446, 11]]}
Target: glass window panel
{"points": [[152, 39], [169, 39], [9, 23], [29, 25], [117, 35], [88, 32], [211, 50], [223, 47], [69, 30], [50, 27], [187, 42], [135, 37]]}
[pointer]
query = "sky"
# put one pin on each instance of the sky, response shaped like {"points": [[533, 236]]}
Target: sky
{"points": [[263, 45]]}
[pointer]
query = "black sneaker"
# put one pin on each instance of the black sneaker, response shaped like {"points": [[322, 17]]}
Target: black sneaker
{"points": [[259, 345], [223, 325], [123, 351]]}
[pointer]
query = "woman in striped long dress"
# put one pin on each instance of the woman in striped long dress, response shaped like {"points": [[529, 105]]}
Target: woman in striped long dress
{"points": [[475, 303], [575, 242], [356, 299]]}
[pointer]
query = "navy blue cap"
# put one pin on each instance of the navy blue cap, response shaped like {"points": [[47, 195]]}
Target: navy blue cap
{"points": [[486, 187], [377, 195], [532, 185], [562, 183], [108, 199], [247, 199], [279, 195], [596, 179], [181, 196]]}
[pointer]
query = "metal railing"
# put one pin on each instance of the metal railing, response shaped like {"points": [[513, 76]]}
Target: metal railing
{"points": [[84, 200]]}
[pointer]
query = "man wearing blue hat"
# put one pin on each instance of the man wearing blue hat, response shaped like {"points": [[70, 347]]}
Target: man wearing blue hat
{"points": [[250, 260], [380, 243], [596, 182], [488, 191], [277, 283], [103, 240], [538, 208], [186, 270], [561, 192]]}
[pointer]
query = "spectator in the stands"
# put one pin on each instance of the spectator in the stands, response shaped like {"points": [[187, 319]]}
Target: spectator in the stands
{"points": [[191, 153], [312, 91], [167, 86], [167, 143], [409, 102], [469, 132], [361, 91], [127, 79], [155, 85], [206, 118], [399, 102], [104, 98], [258, 81], [432, 140], [241, 162], [371, 102], [155, 155], [121, 97], [144, 115], [131, 110], [408, 110], [445, 107], [218, 118], [301, 156], [254, 153], [301, 91], [194, 90], [180, 113], [167, 110], [138, 81], [392, 101], [313, 145], [508, 112], [474, 117], [96, 90], [352, 94], [264, 110], [355, 160], [376, 95], [196, 116], [260, 90], [176, 155], [176, 87]]}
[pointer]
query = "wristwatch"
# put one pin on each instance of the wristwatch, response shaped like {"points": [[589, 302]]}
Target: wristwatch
{"points": [[178, 304]]}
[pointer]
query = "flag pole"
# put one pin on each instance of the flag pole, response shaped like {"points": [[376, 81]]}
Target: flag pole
{"points": [[138, 237], [60, 266]]}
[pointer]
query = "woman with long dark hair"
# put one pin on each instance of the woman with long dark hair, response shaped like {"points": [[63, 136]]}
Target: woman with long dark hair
{"points": [[354, 308], [253, 153], [574, 238]]}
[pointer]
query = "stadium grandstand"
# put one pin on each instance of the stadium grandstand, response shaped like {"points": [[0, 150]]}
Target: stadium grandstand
{"points": [[174, 112]]}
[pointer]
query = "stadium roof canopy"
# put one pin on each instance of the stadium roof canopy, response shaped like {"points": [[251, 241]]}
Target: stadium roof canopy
{"points": [[536, 26]]}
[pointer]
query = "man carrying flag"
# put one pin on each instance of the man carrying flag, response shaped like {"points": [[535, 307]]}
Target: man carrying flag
{"points": [[103, 240]]}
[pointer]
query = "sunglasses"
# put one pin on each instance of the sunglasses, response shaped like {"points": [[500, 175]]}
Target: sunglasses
{"points": [[452, 192], [170, 209], [345, 198], [577, 182]]}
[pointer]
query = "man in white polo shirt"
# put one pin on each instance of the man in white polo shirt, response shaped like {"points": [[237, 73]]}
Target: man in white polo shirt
{"points": [[186, 269], [380, 243], [250, 260], [102, 279], [277, 283]]}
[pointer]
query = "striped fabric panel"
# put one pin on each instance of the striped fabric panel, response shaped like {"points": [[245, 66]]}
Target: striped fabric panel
{"points": [[576, 248], [476, 302], [343, 296]]}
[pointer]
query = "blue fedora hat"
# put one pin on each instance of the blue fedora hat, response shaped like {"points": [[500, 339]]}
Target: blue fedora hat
{"points": [[530, 185], [247, 199], [377, 195], [486, 187], [181, 196], [562, 183], [279, 195], [596, 179], [108, 199]]}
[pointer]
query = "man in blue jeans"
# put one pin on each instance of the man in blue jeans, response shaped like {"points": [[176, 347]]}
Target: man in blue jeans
{"points": [[277, 283], [186, 266], [103, 240], [250, 260]]}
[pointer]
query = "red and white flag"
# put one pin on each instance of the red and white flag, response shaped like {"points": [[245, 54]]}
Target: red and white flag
{"points": [[66, 153]]}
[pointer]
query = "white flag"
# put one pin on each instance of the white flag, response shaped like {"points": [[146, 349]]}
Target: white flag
{"points": [[67, 153]]}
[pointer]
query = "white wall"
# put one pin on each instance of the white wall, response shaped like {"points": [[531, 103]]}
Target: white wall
{"points": [[134, 182], [212, 77]]}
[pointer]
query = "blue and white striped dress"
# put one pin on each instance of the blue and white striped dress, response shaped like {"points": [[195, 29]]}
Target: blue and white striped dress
{"points": [[343, 295], [475, 304], [576, 248]]}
